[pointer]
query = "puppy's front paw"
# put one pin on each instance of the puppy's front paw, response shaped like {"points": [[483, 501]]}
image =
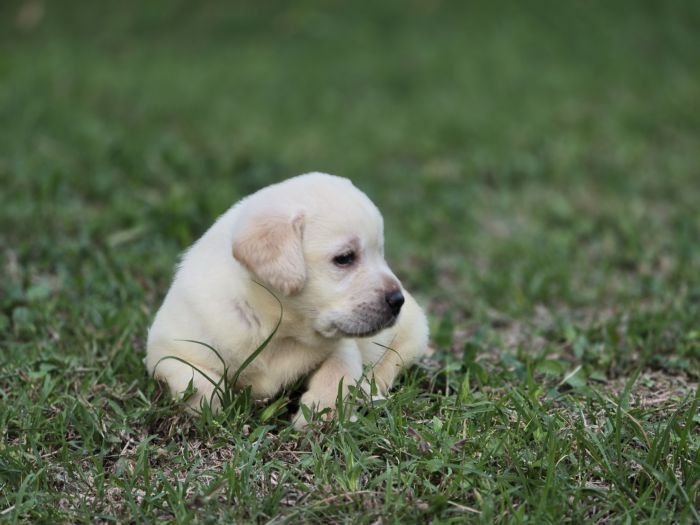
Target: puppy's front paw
{"points": [[373, 392], [315, 407], [330, 382]]}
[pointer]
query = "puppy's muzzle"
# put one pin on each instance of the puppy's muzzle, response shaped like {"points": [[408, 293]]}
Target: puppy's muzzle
{"points": [[394, 299]]}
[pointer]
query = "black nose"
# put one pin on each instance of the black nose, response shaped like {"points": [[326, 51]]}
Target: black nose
{"points": [[395, 300]]}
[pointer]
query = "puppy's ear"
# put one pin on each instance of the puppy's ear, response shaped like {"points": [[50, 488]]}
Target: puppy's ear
{"points": [[270, 246]]}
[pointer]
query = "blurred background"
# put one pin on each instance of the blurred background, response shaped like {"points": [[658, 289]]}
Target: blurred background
{"points": [[535, 162]]}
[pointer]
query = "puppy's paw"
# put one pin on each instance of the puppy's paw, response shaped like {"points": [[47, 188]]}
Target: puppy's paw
{"points": [[330, 382], [373, 393], [188, 382], [317, 409]]}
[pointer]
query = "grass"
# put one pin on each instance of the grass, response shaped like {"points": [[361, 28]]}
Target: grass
{"points": [[537, 167]]}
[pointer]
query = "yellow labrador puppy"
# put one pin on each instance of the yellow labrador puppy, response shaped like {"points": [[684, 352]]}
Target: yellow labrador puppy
{"points": [[316, 242]]}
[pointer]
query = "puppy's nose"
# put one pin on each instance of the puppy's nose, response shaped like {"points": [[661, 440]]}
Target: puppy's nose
{"points": [[395, 300]]}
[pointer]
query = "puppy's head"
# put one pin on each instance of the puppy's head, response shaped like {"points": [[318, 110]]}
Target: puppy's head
{"points": [[319, 240]]}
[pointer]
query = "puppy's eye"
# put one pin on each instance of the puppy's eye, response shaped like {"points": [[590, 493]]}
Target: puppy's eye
{"points": [[344, 259]]}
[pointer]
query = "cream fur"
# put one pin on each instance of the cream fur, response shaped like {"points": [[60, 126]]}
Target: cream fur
{"points": [[283, 239]]}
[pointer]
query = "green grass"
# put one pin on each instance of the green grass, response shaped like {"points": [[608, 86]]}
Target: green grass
{"points": [[538, 169]]}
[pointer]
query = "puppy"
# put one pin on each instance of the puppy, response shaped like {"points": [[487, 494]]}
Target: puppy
{"points": [[315, 244]]}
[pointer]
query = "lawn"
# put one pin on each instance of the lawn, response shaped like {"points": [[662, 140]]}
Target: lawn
{"points": [[538, 167]]}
